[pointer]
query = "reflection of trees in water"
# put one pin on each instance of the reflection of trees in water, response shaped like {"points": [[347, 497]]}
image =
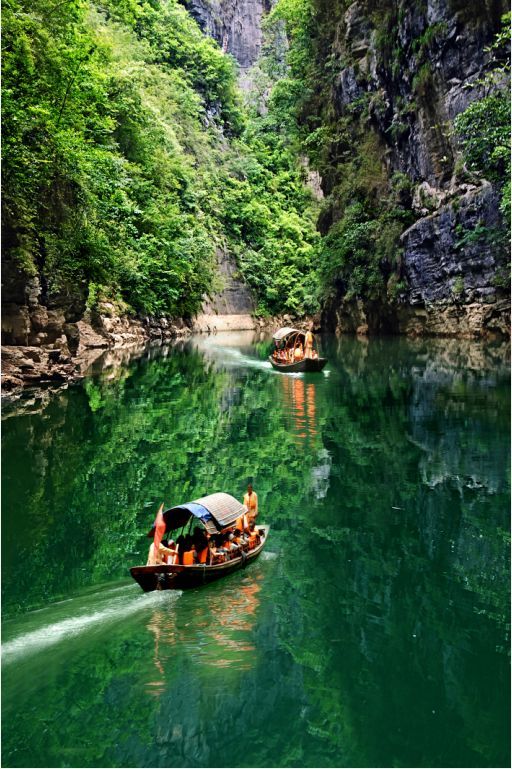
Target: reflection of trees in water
{"points": [[379, 615], [84, 469], [300, 413]]}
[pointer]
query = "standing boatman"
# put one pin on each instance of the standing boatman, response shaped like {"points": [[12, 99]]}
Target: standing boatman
{"points": [[308, 347], [251, 503]]}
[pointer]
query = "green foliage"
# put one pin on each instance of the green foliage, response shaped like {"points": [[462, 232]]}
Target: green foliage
{"points": [[484, 132], [422, 80], [345, 250], [269, 222], [365, 212], [99, 182], [421, 44], [484, 127], [458, 286], [128, 159]]}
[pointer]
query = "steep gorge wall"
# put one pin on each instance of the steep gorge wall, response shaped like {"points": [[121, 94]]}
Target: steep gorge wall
{"points": [[235, 24], [409, 67], [406, 65]]}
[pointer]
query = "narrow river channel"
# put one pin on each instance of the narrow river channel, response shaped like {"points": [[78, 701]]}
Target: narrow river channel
{"points": [[373, 630]]}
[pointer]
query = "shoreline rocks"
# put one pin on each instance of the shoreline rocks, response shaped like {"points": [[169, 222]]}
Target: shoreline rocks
{"points": [[474, 320], [70, 357]]}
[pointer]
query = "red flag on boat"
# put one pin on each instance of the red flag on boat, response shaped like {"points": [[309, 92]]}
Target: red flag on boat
{"points": [[159, 525]]}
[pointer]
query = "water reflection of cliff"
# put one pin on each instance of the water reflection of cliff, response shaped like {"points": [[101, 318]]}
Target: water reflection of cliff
{"points": [[414, 537], [382, 635]]}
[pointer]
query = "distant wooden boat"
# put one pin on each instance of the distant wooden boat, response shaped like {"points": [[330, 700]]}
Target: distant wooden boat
{"points": [[215, 513], [289, 338]]}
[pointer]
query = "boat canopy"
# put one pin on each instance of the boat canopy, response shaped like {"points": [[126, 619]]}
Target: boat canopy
{"points": [[284, 332], [215, 512]]}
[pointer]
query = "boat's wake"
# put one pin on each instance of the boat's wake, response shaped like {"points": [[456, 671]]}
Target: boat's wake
{"points": [[110, 609], [230, 356]]}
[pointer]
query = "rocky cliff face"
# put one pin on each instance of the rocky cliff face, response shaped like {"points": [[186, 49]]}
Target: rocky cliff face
{"points": [[406, 68], [237, 27], [235, 24], [232, 306], [410, 66]]}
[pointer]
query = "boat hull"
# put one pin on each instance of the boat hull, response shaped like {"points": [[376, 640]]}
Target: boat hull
{"points": [[178, 577], [306, 365]]}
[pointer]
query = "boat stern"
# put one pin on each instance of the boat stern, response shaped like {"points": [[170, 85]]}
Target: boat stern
{"points": [[152, 578]]}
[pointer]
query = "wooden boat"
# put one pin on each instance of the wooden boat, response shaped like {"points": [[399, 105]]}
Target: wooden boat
{"points": [[290, 337], [215, 513]]}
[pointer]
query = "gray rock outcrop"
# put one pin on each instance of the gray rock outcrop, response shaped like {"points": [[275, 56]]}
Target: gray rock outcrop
{"points": [[446, 259], [414, 67], [235, 24]]}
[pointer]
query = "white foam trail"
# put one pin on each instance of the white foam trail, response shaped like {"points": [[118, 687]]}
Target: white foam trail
{"points": [[233, 356], [34, 641]]}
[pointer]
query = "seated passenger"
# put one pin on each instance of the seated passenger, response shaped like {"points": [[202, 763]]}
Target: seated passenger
{"points": [[203, 554], [217, 553], [298, 353], [158, 557], [228, 545], [254, 537], [190, 556], [173, 557], [241, 540], [236, 542]]}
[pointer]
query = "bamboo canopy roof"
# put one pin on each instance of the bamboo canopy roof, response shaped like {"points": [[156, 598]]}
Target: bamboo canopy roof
{"points": [[286, 331], [216, 511]]}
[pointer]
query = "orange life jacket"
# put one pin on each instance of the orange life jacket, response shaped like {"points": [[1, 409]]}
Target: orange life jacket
{"points": [[253, 541], [203, 555], [188, 558], [241, 523]]}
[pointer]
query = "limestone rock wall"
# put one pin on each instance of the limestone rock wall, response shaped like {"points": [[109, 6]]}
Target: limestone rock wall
{"points": [[235, 24], [439, 264], [233, 297], [420, 86], [412, 76]]}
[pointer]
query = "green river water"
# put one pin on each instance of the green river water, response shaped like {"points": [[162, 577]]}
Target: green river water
{"points": [[373, 630]]}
